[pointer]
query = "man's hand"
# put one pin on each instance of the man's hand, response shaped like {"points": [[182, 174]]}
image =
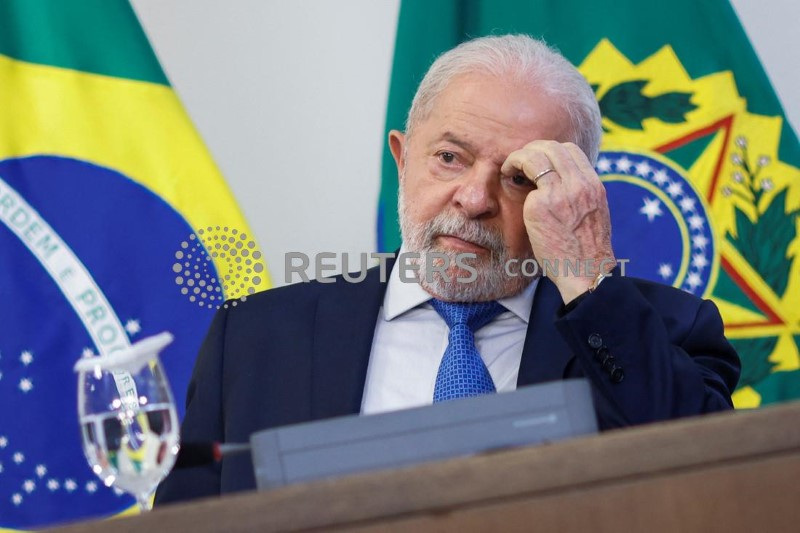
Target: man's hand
{"points": [[566, 215]]}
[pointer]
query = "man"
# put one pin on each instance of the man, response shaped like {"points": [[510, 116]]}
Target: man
{"points": [[496, 162]]}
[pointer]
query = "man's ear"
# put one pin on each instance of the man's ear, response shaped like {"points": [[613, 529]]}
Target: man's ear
{"points": [[397, 142]]}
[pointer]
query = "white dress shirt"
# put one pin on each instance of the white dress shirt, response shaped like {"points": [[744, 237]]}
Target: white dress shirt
{"points": [[410, 340]]}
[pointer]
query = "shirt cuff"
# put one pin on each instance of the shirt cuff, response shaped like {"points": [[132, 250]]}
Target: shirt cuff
{"points": [[564, 309]]}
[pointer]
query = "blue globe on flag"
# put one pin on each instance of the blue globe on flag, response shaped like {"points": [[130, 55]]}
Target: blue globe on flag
{"points": [[80, 239], [659, 222]]}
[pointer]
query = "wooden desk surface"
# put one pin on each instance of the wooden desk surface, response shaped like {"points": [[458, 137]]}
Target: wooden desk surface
{"points": [[737, 471]]}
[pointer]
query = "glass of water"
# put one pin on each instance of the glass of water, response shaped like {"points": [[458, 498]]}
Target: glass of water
{"points": [[129, 425]]}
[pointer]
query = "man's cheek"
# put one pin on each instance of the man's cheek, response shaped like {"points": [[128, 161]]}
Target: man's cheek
{"points": [[519, 242]]}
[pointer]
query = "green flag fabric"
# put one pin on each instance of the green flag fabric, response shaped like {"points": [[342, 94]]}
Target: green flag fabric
{"points": [[696, 156]]}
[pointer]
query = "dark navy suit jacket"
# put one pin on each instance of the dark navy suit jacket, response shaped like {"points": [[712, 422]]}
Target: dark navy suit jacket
{"points": [[300, 353]]}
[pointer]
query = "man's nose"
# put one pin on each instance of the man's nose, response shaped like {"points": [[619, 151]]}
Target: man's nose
{"points": [[476, 195]]}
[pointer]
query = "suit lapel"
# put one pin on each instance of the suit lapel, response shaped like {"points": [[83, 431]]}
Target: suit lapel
{"points": [[545, 355], [343, 330]]}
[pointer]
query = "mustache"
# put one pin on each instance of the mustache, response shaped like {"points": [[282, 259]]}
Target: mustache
{"points": [[466, 229]]}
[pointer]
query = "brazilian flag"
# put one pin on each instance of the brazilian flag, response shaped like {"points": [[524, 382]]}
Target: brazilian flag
{"points": [[699, 162], [115, 225]]}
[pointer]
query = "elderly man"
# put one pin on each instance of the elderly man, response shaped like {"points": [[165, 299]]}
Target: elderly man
{"points": [[496, 162]]}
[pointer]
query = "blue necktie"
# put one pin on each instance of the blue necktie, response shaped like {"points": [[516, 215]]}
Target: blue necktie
{"points": [[462, 371]]}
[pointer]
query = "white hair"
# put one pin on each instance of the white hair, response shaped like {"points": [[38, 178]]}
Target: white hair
{"points": [[523, 59]]}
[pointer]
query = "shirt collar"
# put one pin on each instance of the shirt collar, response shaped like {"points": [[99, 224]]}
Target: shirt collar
{"points": [[522, 303], [402, 297]]}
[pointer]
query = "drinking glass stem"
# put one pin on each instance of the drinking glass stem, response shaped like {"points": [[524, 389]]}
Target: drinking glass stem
{"points": [[144, 501]]}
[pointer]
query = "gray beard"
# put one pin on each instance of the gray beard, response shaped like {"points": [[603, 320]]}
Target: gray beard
{"points": [[492, 282]]}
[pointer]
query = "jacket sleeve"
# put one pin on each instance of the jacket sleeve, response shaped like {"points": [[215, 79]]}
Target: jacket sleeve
{"points": [[203, 420], [651, 352]]}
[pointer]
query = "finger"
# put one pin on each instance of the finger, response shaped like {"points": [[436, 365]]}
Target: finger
{"points": [[548, 173], [580, 159], [527, 163], [540, 155], [590, 176], [561, 159]]}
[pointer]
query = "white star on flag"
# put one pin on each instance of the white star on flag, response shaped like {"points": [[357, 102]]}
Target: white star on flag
{"points": [[624, 164], [87, 352], [675, 189], [18, 457], [41, 470], [693, 280], [3, 441], [695, 222], [91, 486], [26, 357], [687, 204], [700, 241], [660, 177], [643, 169], [1, 468], [29, 486], [699, 261], [604, 164], [133, 327], [651, 208], [16, 499], [665, 270], [52, 484], [25, 385], [70, 485]]}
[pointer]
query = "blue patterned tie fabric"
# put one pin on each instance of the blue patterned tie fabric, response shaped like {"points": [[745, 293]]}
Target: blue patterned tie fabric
{"points": [[462, 372]]}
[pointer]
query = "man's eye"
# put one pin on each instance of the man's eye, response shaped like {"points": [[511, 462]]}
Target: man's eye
{"points": [[447, 157], [521, 180]]}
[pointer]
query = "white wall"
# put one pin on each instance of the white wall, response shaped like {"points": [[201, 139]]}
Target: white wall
{"points": [[290, 97], [772, 26]]}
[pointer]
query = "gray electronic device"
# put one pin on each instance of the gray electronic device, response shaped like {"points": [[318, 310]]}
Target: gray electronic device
{"points": [[530, 415]]}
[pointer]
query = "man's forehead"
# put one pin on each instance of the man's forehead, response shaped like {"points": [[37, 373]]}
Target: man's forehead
{"points": [[494, 143], [494, 148], [461, 140]]}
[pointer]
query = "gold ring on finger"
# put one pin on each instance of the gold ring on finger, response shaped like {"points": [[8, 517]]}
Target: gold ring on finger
{"points": [[541, 174]]}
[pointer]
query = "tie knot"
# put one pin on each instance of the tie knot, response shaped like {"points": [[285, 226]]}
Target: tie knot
{"points": [[474, 315]]}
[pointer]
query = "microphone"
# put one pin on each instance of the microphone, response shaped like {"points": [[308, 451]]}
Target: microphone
{"points": [[193, 454]]}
